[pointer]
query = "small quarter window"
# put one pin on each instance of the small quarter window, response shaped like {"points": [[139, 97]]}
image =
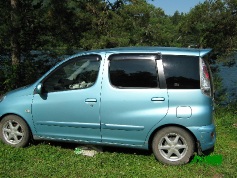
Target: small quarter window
{"points": [[132, 72], [181, 72]]}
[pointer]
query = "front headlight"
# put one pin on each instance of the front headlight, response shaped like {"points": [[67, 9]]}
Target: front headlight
{"points": [[2, 97]]}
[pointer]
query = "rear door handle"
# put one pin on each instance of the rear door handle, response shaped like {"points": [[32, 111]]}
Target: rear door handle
{"points": [[158, 99], [90, 100]]}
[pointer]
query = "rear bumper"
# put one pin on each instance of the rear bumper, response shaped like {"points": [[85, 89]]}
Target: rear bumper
{"points": [[205, 135]]}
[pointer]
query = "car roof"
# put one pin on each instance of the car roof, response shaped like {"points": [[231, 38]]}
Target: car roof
{"points": [[162, 50]]}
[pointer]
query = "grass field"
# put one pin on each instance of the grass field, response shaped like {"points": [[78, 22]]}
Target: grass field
{"points": [[59, 160]]}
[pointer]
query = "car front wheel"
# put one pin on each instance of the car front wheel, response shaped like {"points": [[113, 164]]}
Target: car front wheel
{"points": [[173, 146], [14, 131]]}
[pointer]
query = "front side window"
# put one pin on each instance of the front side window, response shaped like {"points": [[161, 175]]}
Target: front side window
{"points": [[132, 72], [78, 73]]}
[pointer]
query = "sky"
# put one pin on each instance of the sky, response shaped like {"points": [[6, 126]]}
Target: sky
{"points": [[170, 6]]}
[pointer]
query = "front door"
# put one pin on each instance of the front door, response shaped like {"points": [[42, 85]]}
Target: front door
{"points": [[68, 107]]}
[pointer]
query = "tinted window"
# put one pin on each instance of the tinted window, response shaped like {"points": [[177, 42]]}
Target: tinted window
{"points": [[133, 73], [181, 72], [78, 73]]}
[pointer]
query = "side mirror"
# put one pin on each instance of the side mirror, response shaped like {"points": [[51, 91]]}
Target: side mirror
{"points": [[38, 89]]}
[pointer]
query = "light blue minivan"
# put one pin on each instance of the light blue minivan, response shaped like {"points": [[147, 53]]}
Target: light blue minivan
{"points": [[157, 98]]}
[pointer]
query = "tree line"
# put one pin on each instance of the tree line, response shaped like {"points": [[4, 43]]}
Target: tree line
{"points": [[52, 28]]}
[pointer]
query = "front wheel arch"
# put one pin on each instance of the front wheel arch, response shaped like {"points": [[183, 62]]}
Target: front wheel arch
{"points": [[17, 132]]}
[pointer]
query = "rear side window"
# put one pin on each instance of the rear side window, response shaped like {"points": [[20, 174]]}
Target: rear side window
{"points": [[181, 72], [133, 72]]}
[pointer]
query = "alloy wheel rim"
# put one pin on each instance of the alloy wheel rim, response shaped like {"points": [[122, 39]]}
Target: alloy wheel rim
{"points": [[173, 147], [13, 132]]}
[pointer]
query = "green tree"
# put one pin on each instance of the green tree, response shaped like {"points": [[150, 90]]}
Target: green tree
{"points": [[211, 24], [15, 31]]}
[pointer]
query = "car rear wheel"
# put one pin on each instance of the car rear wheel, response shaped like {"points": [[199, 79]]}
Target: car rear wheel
{"points": [[173, 146], [14, 131]]}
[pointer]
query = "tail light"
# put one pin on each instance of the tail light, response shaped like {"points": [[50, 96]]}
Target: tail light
{"points": [[205, 78]]}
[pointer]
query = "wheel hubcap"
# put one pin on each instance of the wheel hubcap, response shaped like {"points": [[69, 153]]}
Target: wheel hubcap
{"points": [[173, 147], [13, 132]]}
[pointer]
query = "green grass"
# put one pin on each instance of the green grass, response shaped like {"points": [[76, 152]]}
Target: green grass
{"points": [[59, 160]]}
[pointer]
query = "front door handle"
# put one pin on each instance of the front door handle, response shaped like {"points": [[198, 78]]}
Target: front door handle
{"points": [[158, 99]]}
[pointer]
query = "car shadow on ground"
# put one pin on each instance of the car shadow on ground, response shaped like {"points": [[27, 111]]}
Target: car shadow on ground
{"points": [[99, 148]]}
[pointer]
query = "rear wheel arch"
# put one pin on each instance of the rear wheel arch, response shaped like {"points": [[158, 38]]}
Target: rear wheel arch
{"points": [[169, 125], [188, 136]]}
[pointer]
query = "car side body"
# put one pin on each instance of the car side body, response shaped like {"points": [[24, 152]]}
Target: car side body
{"points": [[158, 98]]}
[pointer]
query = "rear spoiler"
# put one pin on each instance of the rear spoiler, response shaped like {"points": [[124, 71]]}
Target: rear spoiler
{"points": [[203, 52]]}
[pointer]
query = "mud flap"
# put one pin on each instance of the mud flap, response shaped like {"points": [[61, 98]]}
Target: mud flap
{"points": [[199, 150]]}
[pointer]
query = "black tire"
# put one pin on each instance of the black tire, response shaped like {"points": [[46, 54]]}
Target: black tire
{"points": [[14, 131], [173, 146]]}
